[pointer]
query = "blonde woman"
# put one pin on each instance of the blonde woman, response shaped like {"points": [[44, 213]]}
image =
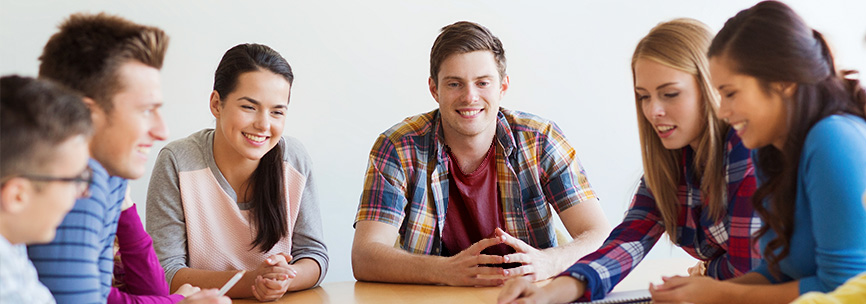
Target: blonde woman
{"points": [[782, 93], [697, 181]]}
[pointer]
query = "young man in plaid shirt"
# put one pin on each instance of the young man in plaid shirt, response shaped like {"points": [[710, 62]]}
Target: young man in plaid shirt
{"points": [[467, 190]]}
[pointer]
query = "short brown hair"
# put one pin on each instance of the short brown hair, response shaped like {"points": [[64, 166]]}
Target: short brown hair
{"points": [[87, 52], [464, 37], [36, 116]]}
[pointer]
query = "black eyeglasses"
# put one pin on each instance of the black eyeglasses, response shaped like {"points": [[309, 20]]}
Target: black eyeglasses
{"points": [[82, 181]]}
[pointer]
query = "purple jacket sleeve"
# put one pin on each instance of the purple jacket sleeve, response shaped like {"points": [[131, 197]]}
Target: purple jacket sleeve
{"points": [[144, 279]]}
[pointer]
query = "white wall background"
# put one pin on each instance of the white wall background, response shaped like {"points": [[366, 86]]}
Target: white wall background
{"points": [[362, 66]]}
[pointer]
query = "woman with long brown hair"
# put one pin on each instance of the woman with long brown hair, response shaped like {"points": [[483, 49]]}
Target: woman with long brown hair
{"points": [[697, 181], [240, 196], [781, 92]]}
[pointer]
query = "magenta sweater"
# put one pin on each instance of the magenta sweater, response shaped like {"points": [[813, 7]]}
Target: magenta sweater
{"points": [[144, 279]]}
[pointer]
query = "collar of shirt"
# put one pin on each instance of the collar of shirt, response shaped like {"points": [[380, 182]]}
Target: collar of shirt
{"points": [[503, 135]]}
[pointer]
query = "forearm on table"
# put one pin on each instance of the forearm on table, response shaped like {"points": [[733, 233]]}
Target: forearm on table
{"points": [[308, 274], [317, 257], [307, 239], [382, 263], [584, 243], [564, 289], [626, 246], [759, 293], [587, 225], [751, 278]]}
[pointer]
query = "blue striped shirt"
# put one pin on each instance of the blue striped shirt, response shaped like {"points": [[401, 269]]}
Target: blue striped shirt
{"points": [[77, 265]]}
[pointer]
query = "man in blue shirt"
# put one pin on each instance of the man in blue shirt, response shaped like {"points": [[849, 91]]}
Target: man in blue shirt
{"points": [[114, 64]]}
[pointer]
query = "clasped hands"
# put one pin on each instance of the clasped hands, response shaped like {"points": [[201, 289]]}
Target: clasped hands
{"points": [[467, 268], [273, 277]]}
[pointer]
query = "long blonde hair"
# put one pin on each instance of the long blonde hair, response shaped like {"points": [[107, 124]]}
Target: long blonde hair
{"points": [[682, 44]]}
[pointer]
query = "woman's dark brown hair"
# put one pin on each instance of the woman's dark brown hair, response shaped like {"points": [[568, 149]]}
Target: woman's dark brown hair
{"points": [[268, 181], [770, 42]]}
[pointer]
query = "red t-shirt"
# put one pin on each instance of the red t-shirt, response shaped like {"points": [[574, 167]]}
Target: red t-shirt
{"points": [[474, 210]]}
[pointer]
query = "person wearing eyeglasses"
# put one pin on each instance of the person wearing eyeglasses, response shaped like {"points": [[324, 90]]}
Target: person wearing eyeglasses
{"points": [[43, 169]]}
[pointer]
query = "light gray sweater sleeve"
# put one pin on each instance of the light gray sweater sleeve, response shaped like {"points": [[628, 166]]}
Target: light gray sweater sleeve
{"points": [[165, 219], [307, 237]]}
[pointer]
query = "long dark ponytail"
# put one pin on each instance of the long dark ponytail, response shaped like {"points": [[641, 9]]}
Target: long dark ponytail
{"points": [[770, 42], [267, 183]]}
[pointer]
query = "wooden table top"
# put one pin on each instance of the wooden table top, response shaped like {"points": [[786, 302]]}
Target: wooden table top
{"points": [[378, 293], [364, 292]]}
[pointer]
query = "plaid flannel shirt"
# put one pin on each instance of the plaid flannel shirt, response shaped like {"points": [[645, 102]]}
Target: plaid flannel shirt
{"points": [[726, 244], [406, 184]]}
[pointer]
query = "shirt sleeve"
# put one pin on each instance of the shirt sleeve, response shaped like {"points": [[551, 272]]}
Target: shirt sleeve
{"points": [[833, 173], [384, 196], [70, 265], [743, 253], [165, 219], [143, 276], [853, 291], [307, 237], [563, 178], [626, 246]]}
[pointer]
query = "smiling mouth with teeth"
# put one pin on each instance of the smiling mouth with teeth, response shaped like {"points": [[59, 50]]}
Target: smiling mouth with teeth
{"points": [[255, 138], [739, 126], [469, 112], [143, 150], [665, 128]]}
